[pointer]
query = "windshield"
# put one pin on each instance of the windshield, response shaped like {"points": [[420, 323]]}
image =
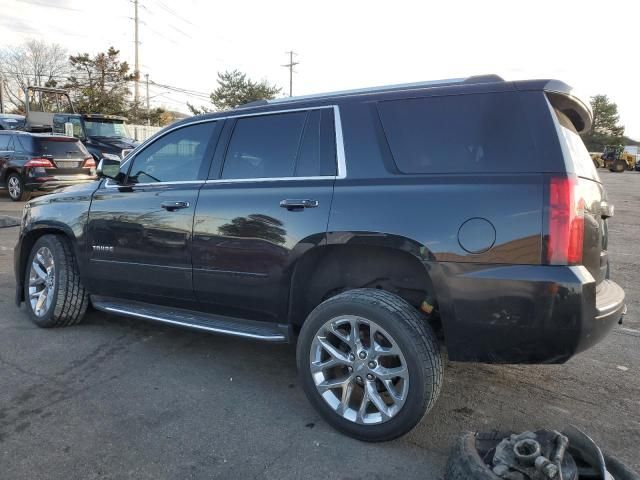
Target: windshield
{"points": [[106, 128]]}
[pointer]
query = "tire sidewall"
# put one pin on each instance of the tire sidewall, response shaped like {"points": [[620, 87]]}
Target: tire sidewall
{"points": [[22, 187], [48, 319], [414, 407]]}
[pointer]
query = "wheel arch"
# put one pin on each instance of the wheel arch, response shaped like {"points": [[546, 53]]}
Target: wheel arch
{"points": [[11, 169], [349, 261], [28, 240]]}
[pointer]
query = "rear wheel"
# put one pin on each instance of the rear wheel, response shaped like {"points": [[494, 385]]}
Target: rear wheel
{"points": [[53, 291], [370, 364], [17, 190]]}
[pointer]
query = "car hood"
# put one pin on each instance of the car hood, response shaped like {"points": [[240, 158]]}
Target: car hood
{"points": [[113, 144], [74, 193]]}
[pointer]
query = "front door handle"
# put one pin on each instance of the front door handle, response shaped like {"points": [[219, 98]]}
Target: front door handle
{"points": [[298, 204], [173, 206]]}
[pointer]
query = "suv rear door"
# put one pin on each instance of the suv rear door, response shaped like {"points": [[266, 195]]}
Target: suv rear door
{"points": [[266, 203], [139, 232]]}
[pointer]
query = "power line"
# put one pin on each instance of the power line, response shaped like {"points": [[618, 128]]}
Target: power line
{"points": [[181, 90], [84, 76], [173, 12], [49, 5]]}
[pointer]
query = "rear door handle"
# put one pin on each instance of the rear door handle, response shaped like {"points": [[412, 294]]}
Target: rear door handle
{"points": [[173, 206], [298, 204]]}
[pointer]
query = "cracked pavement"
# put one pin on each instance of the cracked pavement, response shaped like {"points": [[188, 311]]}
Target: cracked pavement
{"points": [[115, 398]]}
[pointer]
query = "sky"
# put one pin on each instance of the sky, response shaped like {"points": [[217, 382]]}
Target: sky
{"points": [[591, 45]]}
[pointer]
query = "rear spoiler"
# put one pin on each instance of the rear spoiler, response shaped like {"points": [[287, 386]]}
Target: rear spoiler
{"points": [[565, 99]]}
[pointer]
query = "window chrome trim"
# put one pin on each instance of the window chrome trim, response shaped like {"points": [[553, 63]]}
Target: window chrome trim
{"points": [[150, 184], [340, 153], [268, 179]]}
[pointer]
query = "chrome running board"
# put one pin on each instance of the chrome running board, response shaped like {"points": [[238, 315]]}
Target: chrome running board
{"points": [[236, 327]]}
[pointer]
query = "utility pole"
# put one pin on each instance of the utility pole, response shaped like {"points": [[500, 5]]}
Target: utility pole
{"points": [[146, 76], [290, 66], [1, 93], [136, 72]]}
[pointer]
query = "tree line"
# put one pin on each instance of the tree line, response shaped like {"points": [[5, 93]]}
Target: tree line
{"points": [[102, 83]]}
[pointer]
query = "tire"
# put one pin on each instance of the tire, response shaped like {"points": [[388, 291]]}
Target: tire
{"points": [[65, 301], [619, 167], [409, 342], [465, 462], [618, 469], [16, 188]]}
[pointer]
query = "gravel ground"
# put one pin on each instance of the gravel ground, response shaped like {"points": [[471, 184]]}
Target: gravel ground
{"points": [[115, 398]]}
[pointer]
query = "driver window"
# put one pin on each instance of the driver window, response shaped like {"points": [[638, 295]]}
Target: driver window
{"points": [[175, 157]]}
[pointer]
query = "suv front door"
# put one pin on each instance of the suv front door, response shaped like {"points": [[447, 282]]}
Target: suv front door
{"points": [[266, 203], [139, 232]]}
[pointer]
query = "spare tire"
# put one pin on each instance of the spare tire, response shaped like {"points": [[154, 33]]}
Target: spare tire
{"points": [[467, 462]]}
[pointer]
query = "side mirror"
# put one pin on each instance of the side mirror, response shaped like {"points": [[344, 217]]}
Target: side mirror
{"points": [[109, 168]]}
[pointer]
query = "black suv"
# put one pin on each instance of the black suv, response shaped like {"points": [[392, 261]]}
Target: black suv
{"points": [[105, 136], [370, 227], [32, 162]]}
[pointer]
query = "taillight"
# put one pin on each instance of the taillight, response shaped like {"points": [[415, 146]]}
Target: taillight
{"points": [[90, 162], [39, 162], [566, 222]]}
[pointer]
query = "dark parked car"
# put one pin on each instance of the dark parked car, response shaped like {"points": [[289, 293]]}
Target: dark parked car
{"points": [[371, 227], [9, 121], [41, 162]]}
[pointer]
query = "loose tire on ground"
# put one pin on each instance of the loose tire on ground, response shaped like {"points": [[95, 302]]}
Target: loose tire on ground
{"points": [[69, 298], [465, 462], [17, 190], [411, 335]]}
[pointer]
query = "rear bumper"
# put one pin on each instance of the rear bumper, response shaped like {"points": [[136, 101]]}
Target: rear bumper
{"points": [[524, 314]]}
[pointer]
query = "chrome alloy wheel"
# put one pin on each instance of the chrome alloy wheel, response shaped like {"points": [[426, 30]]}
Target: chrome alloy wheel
{"points": [[14, 187], [42, 281], [359, 370]]}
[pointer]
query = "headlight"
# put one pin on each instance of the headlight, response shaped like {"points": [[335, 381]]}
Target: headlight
{"points": [[110, 156]]}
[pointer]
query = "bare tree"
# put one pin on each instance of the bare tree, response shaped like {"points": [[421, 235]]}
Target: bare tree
{"points": [[34, 63]]}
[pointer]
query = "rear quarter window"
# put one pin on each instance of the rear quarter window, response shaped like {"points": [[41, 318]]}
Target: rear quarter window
{"points": [[476, 133], [574, 150]]}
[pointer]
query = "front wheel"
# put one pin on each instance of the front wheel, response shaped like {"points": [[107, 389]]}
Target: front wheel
{"points": [[370, 364], [53, 291], [619, 167]]}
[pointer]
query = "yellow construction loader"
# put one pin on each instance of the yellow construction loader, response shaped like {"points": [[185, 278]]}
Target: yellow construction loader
{"points": [[617, 160]]}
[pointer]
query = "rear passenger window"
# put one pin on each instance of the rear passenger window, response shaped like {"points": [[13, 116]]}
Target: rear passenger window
{"points": [[264, 146], [459, 134], [4, 142]]}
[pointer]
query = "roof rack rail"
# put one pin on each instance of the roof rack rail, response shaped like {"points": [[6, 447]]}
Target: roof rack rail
{"points": [[253, 103], [390, 88], [490, 78]]}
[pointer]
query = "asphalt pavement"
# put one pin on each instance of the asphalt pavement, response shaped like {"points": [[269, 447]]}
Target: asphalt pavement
{"points": [[116, 398]]}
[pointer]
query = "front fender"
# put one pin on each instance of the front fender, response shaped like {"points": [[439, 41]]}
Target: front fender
{"points": [[63, 213]]}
